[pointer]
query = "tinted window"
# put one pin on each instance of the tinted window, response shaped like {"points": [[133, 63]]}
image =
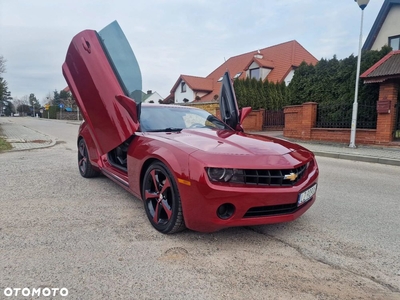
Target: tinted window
{"points": [[123, 60], [158, 118], [255, 73]]}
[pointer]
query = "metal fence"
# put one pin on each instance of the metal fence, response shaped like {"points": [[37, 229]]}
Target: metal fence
{"points": [[340, 115], [274, 118], [396, 134]]}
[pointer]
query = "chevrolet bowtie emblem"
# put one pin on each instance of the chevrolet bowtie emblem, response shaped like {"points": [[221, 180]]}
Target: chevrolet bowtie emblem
{"points": [[292, 176]]}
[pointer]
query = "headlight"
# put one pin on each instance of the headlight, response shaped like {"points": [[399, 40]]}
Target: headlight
{"points": [[225, 175]]}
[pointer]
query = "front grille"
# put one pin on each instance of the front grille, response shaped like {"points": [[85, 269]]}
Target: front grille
{"points": [[273, 177], [262, 211]]}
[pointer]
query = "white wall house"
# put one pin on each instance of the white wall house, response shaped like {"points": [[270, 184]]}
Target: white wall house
{"points": [[386, 28], [275, 64], [289, 77], [183, 91], [151, 96], [390, 31], [258, 72]]}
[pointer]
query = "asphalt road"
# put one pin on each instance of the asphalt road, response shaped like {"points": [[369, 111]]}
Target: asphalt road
{"points": [[58, 230]]}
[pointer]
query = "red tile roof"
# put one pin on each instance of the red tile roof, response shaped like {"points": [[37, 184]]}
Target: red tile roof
{"points": [[261, 62], [195, 83], [281, 58]]}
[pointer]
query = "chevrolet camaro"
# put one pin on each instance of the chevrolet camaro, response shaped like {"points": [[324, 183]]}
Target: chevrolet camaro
{"points": [[190, 168]]}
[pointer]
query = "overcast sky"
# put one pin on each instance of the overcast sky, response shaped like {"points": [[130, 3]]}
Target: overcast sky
{"points": [[171, 37]]}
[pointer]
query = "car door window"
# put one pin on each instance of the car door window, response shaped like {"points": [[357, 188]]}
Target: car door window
{"points": [[122, 60]]}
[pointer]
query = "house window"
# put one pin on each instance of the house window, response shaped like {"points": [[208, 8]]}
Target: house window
{"points": [[255, 73], [237, 75], [183, 87], [394, 42]]}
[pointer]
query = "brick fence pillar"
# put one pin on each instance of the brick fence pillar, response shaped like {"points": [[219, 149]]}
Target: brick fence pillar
{"points": [[386, 121], [309, 119], [293, 120]]}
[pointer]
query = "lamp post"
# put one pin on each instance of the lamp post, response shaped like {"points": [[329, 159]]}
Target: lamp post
{"points": [[362, 4]]}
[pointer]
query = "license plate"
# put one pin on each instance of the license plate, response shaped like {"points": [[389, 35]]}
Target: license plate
{"points": [[306, 195]]}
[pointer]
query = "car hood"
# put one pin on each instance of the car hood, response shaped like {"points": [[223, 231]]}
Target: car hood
{"points": [[226, 145]]}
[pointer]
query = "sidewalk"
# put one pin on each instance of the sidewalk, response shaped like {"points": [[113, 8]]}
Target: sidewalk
{"points": [[374, 154], [24, 138], [382, 155]]}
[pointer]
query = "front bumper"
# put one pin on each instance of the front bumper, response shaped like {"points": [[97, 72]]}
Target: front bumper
{"points": [[252, 205]]}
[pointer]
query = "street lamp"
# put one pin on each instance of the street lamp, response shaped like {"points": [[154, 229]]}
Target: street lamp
{"points": [[362, 4]]}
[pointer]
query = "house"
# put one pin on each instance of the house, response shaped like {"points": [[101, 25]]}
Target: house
{"points": [[276, 64], [386, 28], [300, 120], [386, 72], [151, 97]]}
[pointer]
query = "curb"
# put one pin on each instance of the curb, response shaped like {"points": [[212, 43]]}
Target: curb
{"points": [[38, 141], [370, 159], [32, 146]]}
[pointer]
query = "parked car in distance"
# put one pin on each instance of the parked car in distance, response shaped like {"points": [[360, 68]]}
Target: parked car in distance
{"points": [[191, 169]]}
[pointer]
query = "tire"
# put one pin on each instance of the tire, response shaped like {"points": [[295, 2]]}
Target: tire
{"points": [[161, 199], [85, 167]]}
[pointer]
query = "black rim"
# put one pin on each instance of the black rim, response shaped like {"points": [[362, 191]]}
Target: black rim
{"points": [[159, 196], [82, 157]]}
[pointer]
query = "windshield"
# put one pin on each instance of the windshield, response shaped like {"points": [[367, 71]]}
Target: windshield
{"points": [[123, 60], [175, 118]]}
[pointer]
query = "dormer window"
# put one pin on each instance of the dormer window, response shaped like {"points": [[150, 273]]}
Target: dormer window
{"points": [[183, 87], [394, 42], [255, 73], [237, 75]]}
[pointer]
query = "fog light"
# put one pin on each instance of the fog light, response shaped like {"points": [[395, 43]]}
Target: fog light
{"points": [[225, 211]]}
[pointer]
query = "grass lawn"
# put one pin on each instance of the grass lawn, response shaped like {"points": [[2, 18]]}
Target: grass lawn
{"points": [[4, 145]]}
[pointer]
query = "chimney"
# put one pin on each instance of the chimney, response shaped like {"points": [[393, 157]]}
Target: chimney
{"points": [[149, 92], [258, 55]]}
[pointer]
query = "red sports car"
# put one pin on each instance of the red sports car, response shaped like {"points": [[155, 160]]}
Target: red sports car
{"points": [[191, 169]]}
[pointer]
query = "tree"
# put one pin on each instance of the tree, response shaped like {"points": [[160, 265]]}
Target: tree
{"points": [[56, 98], [34, 102], [67, 98], [5, 94], [24, 108], [2, 65], [19, 102], [332, 81], [8, 108], [302, 84]]}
